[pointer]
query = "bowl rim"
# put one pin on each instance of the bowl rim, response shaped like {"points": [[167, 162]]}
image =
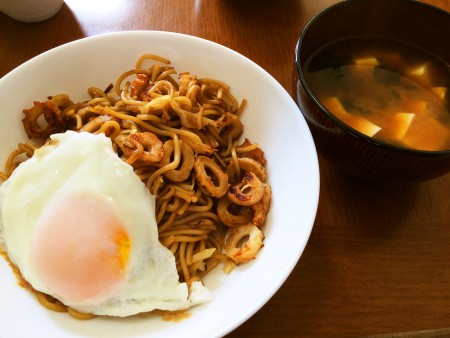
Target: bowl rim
{"points": [[331, 116]]}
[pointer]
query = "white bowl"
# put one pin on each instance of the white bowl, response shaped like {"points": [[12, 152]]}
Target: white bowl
{"points": [[31, 10], [271, 118]]}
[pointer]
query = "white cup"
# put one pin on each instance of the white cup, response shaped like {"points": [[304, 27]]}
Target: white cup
{"points": [[30, 10]]}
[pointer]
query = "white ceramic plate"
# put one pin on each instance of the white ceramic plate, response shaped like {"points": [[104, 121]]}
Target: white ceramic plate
{"points": [[271, 119]]}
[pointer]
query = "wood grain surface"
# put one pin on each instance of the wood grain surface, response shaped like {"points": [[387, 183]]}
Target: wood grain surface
{"points": [[378, 259]]}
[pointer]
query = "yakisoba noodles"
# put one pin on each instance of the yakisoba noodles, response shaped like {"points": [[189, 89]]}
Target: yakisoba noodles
{"points": [[181, 135]]}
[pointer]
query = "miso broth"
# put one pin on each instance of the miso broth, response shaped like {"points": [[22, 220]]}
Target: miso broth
{"points": [[386, 89]]}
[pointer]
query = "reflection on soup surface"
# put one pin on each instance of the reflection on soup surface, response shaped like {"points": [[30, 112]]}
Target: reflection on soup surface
{"points": [[386, 89]]}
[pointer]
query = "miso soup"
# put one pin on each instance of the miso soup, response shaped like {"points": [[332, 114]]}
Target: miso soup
{"points": [[386, 89]]}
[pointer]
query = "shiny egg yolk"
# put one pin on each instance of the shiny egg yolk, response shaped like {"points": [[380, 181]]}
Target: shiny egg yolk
{"points": [[81, 248]]}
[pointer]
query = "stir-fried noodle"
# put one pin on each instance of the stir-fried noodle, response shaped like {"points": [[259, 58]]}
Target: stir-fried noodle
{"points": [[182, 138]]}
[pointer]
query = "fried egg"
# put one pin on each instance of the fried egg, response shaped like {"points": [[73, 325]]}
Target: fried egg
{"points": [[80, 226]]}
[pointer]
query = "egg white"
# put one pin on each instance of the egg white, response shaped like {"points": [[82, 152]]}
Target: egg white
{"points": [[86, 163]]}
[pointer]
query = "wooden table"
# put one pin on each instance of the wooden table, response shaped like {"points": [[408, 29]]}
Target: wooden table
{"points": [[378, 260]]}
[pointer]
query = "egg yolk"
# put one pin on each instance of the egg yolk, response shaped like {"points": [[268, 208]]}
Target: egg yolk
{"points": [[81, 249]]}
